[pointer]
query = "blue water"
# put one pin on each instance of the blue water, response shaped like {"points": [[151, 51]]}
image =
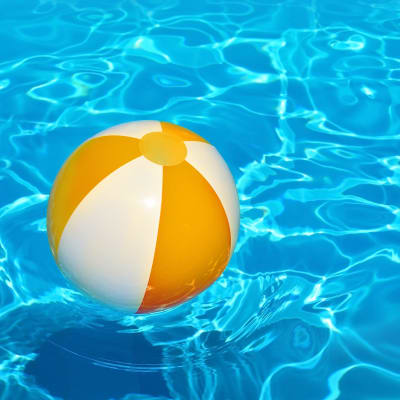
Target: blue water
{"points": [[302, 98]]}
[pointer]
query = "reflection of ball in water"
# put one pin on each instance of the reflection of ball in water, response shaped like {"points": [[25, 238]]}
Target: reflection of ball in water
{"points": [[143, 216]]}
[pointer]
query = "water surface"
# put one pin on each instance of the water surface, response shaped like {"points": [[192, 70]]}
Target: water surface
{"points": [[302, 99]]}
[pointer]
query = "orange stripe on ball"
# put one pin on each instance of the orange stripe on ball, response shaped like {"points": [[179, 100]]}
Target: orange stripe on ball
{"points": [[193, 242], [183, 133]]}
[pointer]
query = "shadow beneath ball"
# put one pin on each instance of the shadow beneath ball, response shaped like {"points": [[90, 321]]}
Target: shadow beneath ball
{"points": [[99, 364]]}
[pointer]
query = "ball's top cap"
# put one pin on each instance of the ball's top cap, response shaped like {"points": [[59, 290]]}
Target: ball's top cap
{"points": [[163, 148]]}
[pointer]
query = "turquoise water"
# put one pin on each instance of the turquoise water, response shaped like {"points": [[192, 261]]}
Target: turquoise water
{"points": [[302, 99]]}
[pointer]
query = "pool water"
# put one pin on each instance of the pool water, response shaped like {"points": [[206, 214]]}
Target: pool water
{"points": [[302, 98]]}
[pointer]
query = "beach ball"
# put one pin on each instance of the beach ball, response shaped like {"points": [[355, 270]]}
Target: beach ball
{"points": [[143, 216]]}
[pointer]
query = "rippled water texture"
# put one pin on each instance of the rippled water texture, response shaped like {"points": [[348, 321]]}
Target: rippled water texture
{"points": [[302, 99]]}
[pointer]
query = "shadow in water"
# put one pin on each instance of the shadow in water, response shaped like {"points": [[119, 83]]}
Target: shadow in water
{"points": [[68, 365]]}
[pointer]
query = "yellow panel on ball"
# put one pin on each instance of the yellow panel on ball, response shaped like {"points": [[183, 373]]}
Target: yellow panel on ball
{"points": [[87, 166]]}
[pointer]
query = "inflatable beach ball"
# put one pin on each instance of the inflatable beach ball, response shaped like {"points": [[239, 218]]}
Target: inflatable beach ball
{"points": [[143, 216]]}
